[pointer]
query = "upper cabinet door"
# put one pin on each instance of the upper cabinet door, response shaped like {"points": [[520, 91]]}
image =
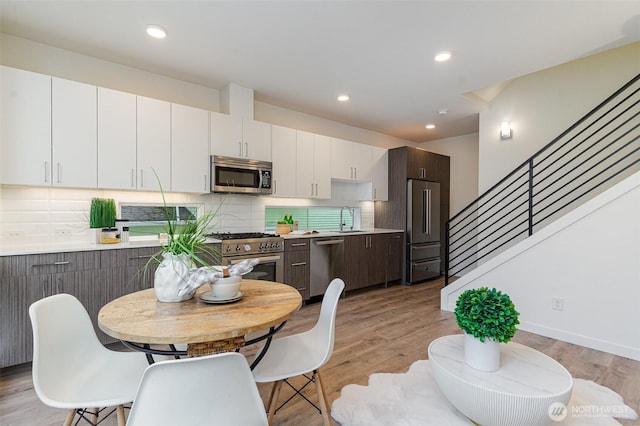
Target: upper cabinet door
{"points": [[226, 135], [74, 134], [322, 165], [189, 149], [154, 144], [283, 154], [350, 160], [256, 140], [379, 175], [305, 182], [25, 143], [116, 139]]}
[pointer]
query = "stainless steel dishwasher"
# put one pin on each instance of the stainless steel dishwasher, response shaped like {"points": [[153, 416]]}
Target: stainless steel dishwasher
{"points": [[327, 263]]}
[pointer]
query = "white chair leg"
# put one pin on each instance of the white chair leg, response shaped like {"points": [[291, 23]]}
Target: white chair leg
{"points": [[321, 398], [70, 417], [120, 415], [273, 400]]}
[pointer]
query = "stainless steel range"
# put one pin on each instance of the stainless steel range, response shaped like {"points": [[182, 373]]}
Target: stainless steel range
{"points": [[268, 248]]}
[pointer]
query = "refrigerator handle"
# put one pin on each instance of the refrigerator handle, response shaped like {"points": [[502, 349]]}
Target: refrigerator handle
{"points": [[426, 217]]}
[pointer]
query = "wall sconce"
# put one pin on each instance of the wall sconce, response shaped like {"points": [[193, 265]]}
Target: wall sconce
{"points": [[505, 130]]}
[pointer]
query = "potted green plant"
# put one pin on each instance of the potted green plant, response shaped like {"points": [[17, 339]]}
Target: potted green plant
{"points": [[184, 250], [488, 318], [102, 214]]}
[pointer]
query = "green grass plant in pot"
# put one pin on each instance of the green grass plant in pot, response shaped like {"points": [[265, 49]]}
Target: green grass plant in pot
{"points": [[185, 249], [102, 214], [488, 318]]}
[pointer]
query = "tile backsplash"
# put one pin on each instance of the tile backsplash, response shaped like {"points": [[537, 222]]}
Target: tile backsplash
{"points": [[35, 214]]}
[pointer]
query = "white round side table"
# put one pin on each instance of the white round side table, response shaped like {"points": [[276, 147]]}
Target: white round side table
{"points": [[519, 393]]}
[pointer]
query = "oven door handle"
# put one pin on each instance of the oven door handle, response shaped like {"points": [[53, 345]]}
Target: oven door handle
{"points": [[260, 259]]}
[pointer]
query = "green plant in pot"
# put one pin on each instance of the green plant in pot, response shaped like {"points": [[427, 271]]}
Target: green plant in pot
{"points": [[184, 250], [102, 214], [488, 318]]}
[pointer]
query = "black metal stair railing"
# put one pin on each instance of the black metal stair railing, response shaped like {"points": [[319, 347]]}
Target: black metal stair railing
{"points": [[599, 150]]}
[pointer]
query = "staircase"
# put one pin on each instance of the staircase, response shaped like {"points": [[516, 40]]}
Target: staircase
{"points": [[598, 151]]}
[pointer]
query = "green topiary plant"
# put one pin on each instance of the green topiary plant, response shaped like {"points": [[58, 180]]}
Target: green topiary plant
{"points": [[485, 313], [102, 213]]}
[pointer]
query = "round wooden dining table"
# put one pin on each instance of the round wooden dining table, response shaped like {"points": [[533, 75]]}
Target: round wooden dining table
{"points": [[142, 322]]}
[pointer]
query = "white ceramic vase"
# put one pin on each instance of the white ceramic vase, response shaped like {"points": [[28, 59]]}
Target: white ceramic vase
{"points": [[483, 356], [172, 275]]}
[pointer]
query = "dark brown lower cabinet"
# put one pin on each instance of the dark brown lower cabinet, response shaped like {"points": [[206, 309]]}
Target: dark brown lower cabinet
{"points": [[297, 268], [394, 257], [365, 260]]}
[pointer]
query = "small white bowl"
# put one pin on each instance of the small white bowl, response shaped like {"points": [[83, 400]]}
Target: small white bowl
{"points": [[226, 288]]}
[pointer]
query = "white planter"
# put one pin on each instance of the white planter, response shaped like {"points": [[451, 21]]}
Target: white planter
{"points": [[483, 356], [172, 275]]}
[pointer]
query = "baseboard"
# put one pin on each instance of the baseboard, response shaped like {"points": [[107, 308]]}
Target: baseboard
{"points": [[578, 339]]}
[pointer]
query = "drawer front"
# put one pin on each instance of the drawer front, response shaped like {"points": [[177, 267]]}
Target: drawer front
{"points": [[53, 263], [424, 251], [127, 257], [424, 270], [297, 244]]}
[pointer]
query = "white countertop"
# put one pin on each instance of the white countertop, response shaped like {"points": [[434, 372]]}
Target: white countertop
{"points": [[22, 248], [316, 234]]}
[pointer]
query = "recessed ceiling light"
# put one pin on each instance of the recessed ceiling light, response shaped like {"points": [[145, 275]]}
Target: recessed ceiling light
{"points": [[430, 126], [443, 56], [343, 98], [156, 31]]}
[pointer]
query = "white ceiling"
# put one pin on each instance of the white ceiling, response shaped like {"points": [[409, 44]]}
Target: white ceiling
{"points": [[301, 54]]}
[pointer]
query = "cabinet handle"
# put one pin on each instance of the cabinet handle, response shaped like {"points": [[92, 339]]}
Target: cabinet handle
{"points": [[298, 244], [316, 189], [275, 186], [205, 181], [46, 171], [299, 264], [246, 149], [395, 237], [145, 256], [62, 262], [59, 171], [312, 190], [133, 175], [302, 289], [355, 173]]}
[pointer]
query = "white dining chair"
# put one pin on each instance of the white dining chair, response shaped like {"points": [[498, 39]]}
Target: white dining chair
{"points": [[72, 370], [301, 354], [209, 390]]}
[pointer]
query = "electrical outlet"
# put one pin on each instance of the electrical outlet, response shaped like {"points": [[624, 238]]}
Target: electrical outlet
{"points": [[557, 303], [62, 233]]}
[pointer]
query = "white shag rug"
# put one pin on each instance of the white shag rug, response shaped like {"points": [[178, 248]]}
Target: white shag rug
{"points": [[414, 399]]}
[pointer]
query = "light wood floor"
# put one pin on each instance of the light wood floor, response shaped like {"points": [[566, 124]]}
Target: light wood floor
{"points": [[377, 330]]}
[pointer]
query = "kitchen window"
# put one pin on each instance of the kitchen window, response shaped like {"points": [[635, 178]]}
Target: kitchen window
{"points": [[316, 218], [152, 219]]}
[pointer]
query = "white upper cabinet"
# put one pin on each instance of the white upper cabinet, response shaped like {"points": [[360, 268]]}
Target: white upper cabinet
{"points": [[226, 135], [283, 155], [233, 136], [25, 144], [154, 144], [256, 140], [379, 175], [74, 134], [190, 162], [313, 161], [116, 139], [350, 160], [322, 165]]}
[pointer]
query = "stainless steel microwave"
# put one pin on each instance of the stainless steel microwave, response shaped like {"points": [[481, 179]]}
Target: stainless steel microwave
{"points": [[240, 175]]}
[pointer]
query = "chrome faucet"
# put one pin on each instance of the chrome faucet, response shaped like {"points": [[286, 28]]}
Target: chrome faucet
{"points": [[342, 221]]}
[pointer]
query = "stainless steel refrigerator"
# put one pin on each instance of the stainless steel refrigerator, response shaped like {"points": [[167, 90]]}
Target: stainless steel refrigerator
{"points": [[423, 230]]}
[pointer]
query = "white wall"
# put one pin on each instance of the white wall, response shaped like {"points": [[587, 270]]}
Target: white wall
{"points": [[463, 151], [540, 106], [590, 258]]}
